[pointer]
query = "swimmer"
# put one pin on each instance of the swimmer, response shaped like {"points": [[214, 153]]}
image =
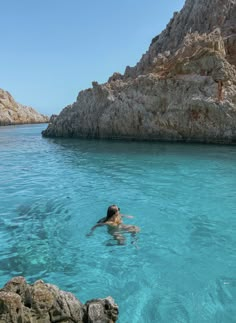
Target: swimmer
{"points": [[114, 224], [111, 210]]}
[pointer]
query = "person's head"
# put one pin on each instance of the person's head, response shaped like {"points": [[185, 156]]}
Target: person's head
{"points": [[112, 211]]}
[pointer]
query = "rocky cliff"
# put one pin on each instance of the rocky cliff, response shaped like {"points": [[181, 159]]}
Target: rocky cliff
{"points": [[45, 303], [12, 113], [183, 88]]}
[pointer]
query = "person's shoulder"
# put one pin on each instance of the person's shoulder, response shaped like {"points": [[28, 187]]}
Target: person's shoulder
{"points": [[102, 220], [111, 223]]}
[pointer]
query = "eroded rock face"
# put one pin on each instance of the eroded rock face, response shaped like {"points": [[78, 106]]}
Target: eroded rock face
{"points": [[201, 16], [183, 88], [12, 113], [45, 303]]}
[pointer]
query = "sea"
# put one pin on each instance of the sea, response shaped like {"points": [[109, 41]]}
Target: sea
{"points": [[180, 267]]}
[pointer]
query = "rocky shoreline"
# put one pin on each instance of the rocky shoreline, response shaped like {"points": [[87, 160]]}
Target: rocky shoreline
{"points": [[183, 88], [45, 303], [13, 113]]}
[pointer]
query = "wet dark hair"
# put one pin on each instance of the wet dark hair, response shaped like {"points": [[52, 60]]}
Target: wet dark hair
{"points": [[112, 209]]}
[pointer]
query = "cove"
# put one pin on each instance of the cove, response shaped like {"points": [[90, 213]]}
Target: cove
{"points": [[182, 265]]}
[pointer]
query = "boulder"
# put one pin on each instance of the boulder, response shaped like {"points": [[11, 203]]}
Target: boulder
{"points": [[45, 303]]}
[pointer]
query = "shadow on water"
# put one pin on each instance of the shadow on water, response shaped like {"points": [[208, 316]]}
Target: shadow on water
{"points": [[106, 146], [208, 232], [220, 299], [34, 237]]}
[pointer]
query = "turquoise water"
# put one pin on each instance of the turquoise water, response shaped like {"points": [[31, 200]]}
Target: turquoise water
{"points": [[181, 267]]}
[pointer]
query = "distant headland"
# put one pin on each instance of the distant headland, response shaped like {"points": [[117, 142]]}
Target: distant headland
{"points": [[182, 89], [13, 113]]}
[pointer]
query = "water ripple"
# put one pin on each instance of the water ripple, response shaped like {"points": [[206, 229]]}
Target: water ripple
{"points": [[180, 268]]}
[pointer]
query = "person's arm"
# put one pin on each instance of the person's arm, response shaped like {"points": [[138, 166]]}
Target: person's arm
{"points": [[102, 220], [94, 227]]}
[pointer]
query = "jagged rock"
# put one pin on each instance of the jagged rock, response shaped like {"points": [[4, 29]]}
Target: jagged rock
{"points": [[52, 118], [12, 113], [101, 311], [45, 303], [116, 76], [201, 16], [183, 88]]}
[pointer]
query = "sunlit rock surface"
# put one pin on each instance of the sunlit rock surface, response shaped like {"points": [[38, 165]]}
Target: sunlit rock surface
{"points": [[183, 88], [12, 113], [45, 303]]}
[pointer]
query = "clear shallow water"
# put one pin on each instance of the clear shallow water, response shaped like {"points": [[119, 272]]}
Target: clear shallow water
{"points": [[182, 267]]}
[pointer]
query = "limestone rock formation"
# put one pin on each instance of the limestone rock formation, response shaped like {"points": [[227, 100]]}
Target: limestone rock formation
{"points": [[12, 113], [183, 88], [45, 303]]}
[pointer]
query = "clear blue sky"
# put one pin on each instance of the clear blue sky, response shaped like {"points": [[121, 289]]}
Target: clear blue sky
{"points": [[52, 49]]}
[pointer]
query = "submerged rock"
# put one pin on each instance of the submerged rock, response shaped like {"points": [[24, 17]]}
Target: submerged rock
{"points": [[183, 88], [12, 113], [45, 303]]}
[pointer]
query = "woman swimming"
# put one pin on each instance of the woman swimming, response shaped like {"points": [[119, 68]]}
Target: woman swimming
{"points": [[114, 223]]}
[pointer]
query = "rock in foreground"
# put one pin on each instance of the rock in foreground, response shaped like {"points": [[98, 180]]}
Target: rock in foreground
{"points": [[12, 113], [183, 88], [45, 303]]}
